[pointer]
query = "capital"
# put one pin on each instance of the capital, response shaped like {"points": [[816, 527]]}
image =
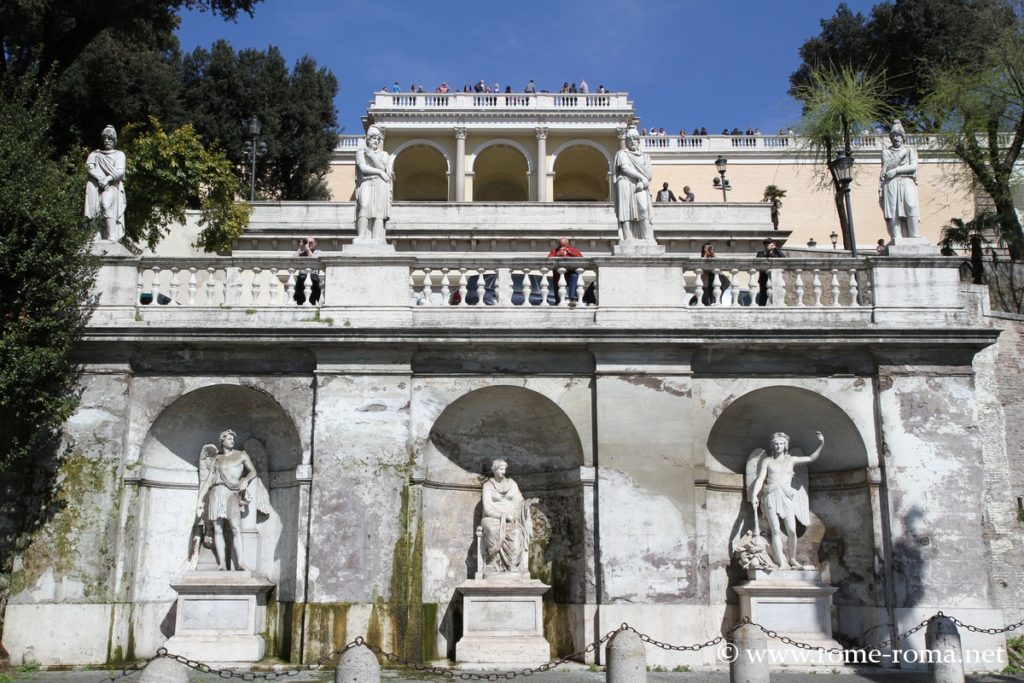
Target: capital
{"points": [[460, 133], [542, 133], [620, 133]]}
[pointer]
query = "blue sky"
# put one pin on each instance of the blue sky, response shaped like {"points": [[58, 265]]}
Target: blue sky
{"points": [[685, 63]]}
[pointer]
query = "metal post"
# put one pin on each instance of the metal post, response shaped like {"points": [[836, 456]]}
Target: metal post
{"points": [[849, 218], [252, 179], [725, 196]]}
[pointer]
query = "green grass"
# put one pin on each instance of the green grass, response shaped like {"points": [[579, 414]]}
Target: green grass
{"points": [[1014, 656]]}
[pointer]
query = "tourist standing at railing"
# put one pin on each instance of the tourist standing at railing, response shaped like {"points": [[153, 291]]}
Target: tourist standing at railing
{"points": [[771, 250], [565, 88], [707, 298], [480, 87], [565, 250], [601, 89], [443, 88], [531, 87], [880, 247], [396, 87], [584, 88], [688, 196], [308, 248], [665, 194]]}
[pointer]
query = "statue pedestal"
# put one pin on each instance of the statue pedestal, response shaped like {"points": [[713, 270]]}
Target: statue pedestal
{"points": [[220, 617], [636, 248], [795, 603], [912, 246], [365, 247], [502, 622]]}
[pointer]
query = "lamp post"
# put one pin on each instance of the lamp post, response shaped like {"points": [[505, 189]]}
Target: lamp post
{"points": [[842, 166], [252, 151], [722, 182], [834, 236]]}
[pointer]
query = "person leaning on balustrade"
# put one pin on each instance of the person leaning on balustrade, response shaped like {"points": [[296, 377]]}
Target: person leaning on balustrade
{"points": [[771, 250], [308, 248]]}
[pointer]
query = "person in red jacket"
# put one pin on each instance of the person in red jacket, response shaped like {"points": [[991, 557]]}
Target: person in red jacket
{"points": [[564, 249]]}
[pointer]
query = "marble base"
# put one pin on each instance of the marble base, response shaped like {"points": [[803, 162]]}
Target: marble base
{"points": [[364, 247], [795, 603], [638, 249], [502, 623], [102, 247], [220, 617], [912, 246]]}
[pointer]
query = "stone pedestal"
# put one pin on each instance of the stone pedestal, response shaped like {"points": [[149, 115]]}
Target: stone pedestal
{"points": [[638, 249], [502, 623], [795, 603], [912, 246], [366, 247], [220, 617]]}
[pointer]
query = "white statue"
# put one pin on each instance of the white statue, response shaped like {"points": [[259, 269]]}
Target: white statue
{"points": [[506, 528], [778, 482], [632, 176], [228, 485], [104, 191], [897, 186], [375, 176]]}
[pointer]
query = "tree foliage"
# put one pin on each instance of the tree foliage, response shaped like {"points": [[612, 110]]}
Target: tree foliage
{"points": [[221, 89], [48, 273], [172, 172]]}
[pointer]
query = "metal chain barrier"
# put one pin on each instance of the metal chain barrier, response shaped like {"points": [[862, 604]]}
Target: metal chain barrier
{"points": [[509, 675]]}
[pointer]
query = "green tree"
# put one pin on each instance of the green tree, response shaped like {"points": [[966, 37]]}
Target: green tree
{"points": [[48, 274], [172, 172], [837, 102], [221, 89], [774, 194]]}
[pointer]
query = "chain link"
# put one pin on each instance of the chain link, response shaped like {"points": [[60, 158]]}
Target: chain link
{"points": [[510, 675]]}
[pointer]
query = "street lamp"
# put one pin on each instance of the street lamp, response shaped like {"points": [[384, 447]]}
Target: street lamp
{"points": [[252, 151], [834, 237], [722, 182], [842, 166]]}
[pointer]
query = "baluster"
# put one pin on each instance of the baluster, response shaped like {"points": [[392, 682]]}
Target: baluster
{"points": [[463, 286], [544, 287], [735, 287], [854, 288], [698, 291], [563, 291], [503, 283], [322, 301], [816, 286], [716, 289], [799, 286], [255, 287], [580, 287], [754, 285], [233, 282], [868, 295], [527, 286], [480, 288], [211, 283], [175, 284], [307, 286], [835, 286], [156, 285], [446, 291], [138, 286], [774, 277], [192, 286], [275, 288], [289, 288], [428, 289]]}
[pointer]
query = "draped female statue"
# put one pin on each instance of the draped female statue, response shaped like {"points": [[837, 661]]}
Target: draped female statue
{"points": [[506, 526]]}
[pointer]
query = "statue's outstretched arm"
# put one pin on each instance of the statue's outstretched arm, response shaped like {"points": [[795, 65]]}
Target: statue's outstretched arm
{"points": [[813, 456]]}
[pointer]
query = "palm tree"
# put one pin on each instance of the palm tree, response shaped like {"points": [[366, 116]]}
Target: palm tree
{"points": [[774, 194], [838, 101]]}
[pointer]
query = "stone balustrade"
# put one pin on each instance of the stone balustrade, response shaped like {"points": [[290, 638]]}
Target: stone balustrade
{"points": [[500, 101], [226, 282]]}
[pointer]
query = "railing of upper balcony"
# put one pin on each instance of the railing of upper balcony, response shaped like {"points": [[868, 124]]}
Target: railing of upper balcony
{"points": [[267, 282], [657, 144], [508, 101]]}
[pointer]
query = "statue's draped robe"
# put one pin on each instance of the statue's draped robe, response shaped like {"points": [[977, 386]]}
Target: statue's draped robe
{"points": [[899, 193], [504, 543], [632, 204], [110, 201], [373, 193]]}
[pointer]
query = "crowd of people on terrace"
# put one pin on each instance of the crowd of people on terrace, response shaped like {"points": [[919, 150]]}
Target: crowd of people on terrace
{"points": [[483, 86]]}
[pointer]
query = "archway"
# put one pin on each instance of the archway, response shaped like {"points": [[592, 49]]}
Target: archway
{"points": [[581, 175], [544, 455], [501, 173], [168, 488], [421, 174]]}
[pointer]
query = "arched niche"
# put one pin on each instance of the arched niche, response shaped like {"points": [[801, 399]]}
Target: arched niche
{"points": [[581, 174], [749, 421], [544, 455], [501, 173], [168, 482], [421, 173]]}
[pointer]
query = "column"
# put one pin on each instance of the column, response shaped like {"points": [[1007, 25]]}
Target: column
{"points": [[542, 164], [460, 164], [620, 133]]}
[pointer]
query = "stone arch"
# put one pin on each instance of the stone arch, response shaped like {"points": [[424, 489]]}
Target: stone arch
{"points": [[748, 422], [544, 453], [422, 169], [501, 172], [581, 170], [168, 482]]}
